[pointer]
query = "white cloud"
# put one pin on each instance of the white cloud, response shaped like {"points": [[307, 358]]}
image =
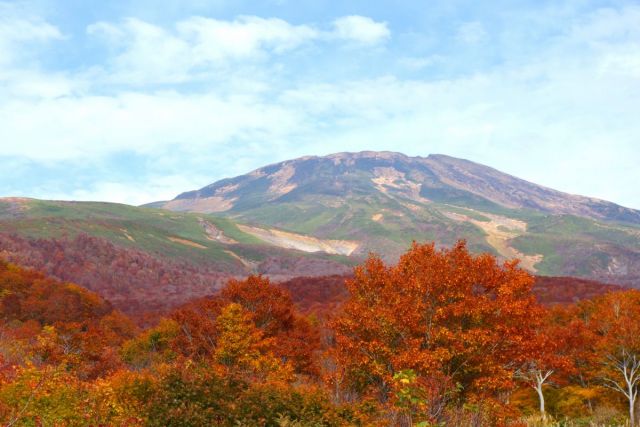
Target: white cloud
{"points": [[606, 25], [360, 29], [247, 36], [147, 53], [151, 189], [35, 84], [560, 119], [144, 52], [419, 63], [471, 33], [23, 38], [579, 90], [93, 126], [17, 32]]}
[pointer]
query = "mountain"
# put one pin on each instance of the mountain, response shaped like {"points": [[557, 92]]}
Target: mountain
{"points": [[436, 178], [316, 216], [143, 259], [381, 201]]}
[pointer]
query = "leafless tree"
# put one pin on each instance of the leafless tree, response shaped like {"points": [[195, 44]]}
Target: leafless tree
{"points": [[628, 366], [536, 377]]}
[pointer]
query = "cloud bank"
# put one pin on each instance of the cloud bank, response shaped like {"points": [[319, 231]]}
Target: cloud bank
{"points": [[154, 108]]}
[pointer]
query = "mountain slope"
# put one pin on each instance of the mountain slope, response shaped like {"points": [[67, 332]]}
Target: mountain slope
{"points": [[315, 216], [199, 239], [143, 259], [436, 178], [380, 201], [515, 193]]}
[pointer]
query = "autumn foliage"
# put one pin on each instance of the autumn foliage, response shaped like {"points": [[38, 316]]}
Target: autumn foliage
{"points": [[445, 314], [134, 281], [442, 337]]}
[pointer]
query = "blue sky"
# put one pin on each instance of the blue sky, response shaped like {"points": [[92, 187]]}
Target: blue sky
{"points": [[138, 101]]}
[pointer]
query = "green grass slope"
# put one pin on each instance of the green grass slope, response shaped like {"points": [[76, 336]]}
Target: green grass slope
{"points": [[165, 234]]}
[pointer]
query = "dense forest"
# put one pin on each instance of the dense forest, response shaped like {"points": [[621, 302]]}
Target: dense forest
{"points": [[443, 337], [132, 280]]}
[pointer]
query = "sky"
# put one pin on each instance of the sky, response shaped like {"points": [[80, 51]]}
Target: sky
{"points": [[137, 101]]}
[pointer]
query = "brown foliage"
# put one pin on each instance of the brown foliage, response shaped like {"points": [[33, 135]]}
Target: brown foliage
{"points": [[51, 322], [134, 281], [295, 339], [437, 313]]}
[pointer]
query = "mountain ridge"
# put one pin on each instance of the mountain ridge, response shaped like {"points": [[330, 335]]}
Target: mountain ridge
{"points": [[459, 174], [384, 200], [318, 215]]}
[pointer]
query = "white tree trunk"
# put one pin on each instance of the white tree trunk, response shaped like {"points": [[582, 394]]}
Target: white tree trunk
{"points": [[540, 379], [538, 388], [536, 378], [629, 368]]}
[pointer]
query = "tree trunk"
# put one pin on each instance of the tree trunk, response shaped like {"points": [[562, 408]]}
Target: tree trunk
{"points": [[632, 401], [541, 398], [629, 367]]}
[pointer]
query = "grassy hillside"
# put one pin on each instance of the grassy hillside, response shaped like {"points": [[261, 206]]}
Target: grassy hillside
{"points": [[175, 235], [199, 239], [384, 222], [583, 247], [547, 244]]}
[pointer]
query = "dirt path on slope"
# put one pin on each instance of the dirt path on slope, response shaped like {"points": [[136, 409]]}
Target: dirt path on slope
{"points": [[499, 230]]}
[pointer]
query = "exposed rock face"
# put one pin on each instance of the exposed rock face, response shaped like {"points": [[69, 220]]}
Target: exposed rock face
{"points": [[281, 182], [513, 192], [211, 204], [414, 178], [300, 242], [214, 233], [355, 203], [500, 230], [15, 205]]}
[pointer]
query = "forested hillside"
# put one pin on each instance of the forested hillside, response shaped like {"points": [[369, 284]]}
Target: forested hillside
{"points": [[443, 337]]}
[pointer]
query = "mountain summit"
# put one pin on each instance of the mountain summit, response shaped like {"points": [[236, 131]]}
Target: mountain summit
{"points": [[316, 216], [353, 203], [436, 178]]}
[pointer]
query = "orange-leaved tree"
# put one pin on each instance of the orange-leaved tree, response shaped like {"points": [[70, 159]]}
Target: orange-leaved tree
{"points": [[242, 347], [615, 320], [548, 357], [294, 339], [444, 314]]}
